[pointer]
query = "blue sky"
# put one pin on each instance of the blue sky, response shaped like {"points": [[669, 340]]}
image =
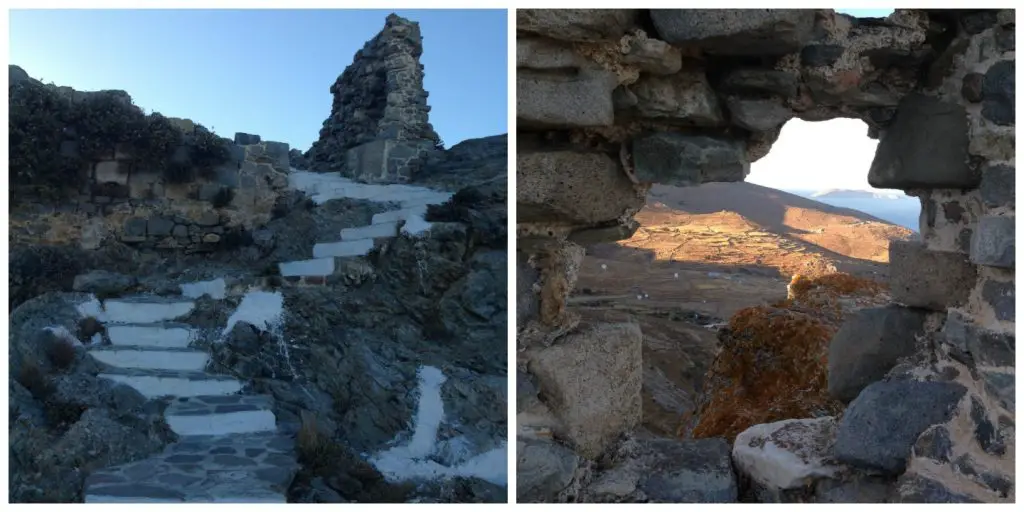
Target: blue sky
{"points": [[264, 71]]}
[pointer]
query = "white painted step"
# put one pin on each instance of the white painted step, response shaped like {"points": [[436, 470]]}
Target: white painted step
{"points": [[317, 267], [386, 229], [159, 383], [397, 215], [142, 310], [343, 249], [237, 414], [151, 359], [160, 335]]}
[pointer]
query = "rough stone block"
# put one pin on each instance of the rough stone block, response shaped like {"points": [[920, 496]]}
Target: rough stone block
{"points": [[868, 345], [1000, 296], [135, 227], [209, 191], [112, 171], [782, 83], [244, 139], [925, 147], [140, 183], [572, 187], [540, 53], [670, 471], [591, 380], [997, 185], [736, 31], [986, 347], [577, 24], [582, 98], [758, 115], [159, 226], [652, 56], [543, 469], [786, 454], [684, 98], [880, 427], [993, 242], [1002, 385], [999, 103], [928, 279], [686, 160]]}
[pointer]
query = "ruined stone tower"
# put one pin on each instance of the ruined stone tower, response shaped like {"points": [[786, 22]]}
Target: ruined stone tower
{"points": [[378, 130]]}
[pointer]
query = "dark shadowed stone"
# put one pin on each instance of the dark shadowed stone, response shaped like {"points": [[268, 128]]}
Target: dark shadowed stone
{"points": [[543, 469], [103, 282], [576, 24], [997, 185], [1001, 385], [223, 450], [233, 460], [137, 491], [963, 241], [821, 55], [925, 147], [182, 458], [868, 345], [687, 471], [159, 226], [1000, 296], [882, 424], [244, 139], [984, 431], [976, 23], [987, 347], [855, 489], [993, 242], [685, 98], [592, 236], [970, 89], [135, 227], [772, 81], [918, 489], [254, 452], [685, 160], [1000, 103], [209, 191], [736, 31], [953, 211], [929, 279], [758, 115], [1005, 38], [934, 444]]}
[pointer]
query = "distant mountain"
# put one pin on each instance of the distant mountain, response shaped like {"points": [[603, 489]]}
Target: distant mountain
{"points": [[840, 193]]}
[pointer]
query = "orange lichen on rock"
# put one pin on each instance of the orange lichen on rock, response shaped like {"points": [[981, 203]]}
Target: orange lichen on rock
{"points": [[773, 363]]}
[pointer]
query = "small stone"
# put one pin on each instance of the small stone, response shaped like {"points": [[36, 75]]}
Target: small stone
{"points": [[684, 97], [993, 242], [882, 424], [180, 231], [912, 488], [970, 89], [211, 238], [984, 431], [934, 444], [1002, 385], [1000, 295], [999, 105], [135, 227], [159, 226], [997, 185], [208, 218], [543, 469]]}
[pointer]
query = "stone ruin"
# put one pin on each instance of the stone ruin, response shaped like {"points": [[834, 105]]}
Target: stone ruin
{"points": [[611, 101], [378, 130]]}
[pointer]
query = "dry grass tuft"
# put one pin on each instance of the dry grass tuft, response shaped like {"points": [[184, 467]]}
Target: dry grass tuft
{"points": [[316, 450], [773, 363]]}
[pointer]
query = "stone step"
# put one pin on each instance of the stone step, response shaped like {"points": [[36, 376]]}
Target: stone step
{"points": [[160, 383], [145, 309], [386, 229], [343, 249], [221, 415], [239, 468], [150, 358], [316, 267], [397, 215], [158, 335]]}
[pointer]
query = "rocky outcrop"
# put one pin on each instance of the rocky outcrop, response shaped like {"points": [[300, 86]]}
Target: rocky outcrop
{"points": [[611, 101], [378, 129]]}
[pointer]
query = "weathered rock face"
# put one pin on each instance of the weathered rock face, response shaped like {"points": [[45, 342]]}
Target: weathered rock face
{"points": [[379, 118], [612, 101]]}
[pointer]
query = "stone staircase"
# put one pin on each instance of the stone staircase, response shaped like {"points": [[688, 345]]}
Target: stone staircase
{"points": [[412, 204], [229, 448]]}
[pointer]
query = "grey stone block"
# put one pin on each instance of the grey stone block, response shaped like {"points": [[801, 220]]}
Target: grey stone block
{"points": [[573, 99], [135, 227], [159, 226], [997, 185], [688, 471], [543, 469], [685, 160], [929, 279], [1000, 295], [868, 345], [993, 242], [999, 103], [925, 147], [577, 24], [208, 191], [882, 424], [736, 31]]}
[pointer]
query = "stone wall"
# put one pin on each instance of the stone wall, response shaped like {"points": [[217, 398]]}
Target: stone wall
{"points": [[611, 101], [378, 130]]}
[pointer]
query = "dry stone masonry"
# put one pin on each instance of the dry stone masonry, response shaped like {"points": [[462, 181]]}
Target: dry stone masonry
{"points": [[612, 101], [379, 130]]}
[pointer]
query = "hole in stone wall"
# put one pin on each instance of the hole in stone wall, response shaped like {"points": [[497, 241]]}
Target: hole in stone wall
{"points": [[769, 257]]}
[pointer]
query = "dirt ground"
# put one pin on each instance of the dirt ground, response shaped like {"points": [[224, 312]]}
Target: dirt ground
{"points": [[703, 253]]}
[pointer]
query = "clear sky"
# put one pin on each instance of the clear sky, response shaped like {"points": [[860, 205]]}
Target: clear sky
{"points": [[264, 71], [820, 155]]}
